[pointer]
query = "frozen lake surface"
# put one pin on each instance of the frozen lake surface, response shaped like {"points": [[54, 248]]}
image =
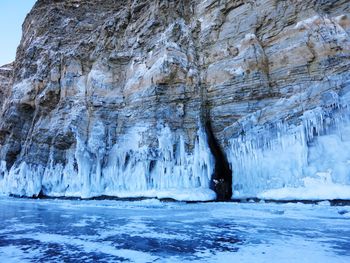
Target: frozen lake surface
{"points": [[151, 231]]}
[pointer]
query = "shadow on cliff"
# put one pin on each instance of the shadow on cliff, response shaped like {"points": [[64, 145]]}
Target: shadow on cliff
{"points": [[221, 181]]}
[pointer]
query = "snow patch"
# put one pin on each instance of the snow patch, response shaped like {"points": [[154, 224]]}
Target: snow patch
{"points": [[314, 189]]}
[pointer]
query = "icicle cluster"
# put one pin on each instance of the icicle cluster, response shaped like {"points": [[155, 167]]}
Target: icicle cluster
{"points": [[282, 155], [127, 170]]}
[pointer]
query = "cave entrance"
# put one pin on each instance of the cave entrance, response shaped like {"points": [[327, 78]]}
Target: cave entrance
{"points": [[221, 181]]}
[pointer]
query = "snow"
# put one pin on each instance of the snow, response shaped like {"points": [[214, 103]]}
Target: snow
{"points": [[92, 247], [13, 254], [150, 231], [314, 189], [5, 68], [306, 23]]}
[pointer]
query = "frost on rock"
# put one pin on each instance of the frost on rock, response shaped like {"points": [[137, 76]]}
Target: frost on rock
{"points": [[284, 161], [127, 170]]}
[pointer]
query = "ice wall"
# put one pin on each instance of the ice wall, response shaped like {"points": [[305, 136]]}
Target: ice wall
{"points": [[282, 160], [129, 169]]}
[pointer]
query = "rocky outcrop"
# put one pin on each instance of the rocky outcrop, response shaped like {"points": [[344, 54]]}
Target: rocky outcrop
{"points": [[166, 98], [276, 77], [6, 72]]}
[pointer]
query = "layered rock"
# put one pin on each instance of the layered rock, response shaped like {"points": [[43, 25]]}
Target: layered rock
{"points": [[6, 72], [109, 103], [169, 98], [276, 81]]}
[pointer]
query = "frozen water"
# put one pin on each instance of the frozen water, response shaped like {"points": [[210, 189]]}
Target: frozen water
{"points": [[131, 169], [151, 231], [320, 188], [280, 160], [284, 157]]}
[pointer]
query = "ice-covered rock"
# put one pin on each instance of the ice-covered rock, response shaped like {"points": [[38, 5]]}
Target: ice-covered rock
{"points": [[165, 98]]}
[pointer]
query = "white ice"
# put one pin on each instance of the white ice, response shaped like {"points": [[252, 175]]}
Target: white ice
{"points": [[307, 160], [151, 231], [130, 170]]}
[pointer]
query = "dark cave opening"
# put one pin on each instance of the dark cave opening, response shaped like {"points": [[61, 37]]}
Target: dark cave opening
{"points": [[221, 181]]}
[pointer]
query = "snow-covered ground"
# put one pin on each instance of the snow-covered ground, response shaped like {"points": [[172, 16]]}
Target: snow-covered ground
{"points": [[152, 231]]}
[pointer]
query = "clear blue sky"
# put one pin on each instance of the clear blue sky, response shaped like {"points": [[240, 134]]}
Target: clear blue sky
{"points": [[12, 14]]}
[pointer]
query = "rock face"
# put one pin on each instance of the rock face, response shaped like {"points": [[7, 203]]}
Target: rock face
{"points": [[6, 72], [174, 98]]}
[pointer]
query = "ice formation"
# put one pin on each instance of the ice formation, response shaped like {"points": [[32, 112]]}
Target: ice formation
{"points": [[83, 115], [125, 171], [308, 160], [289, 161]]}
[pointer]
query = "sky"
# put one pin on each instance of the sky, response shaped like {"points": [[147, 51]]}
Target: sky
{"points": [[12, 14]]}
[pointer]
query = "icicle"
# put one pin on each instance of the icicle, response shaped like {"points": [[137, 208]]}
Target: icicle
{"points": [[130, 168], [282, 156], [173, 168], [3, 176]]}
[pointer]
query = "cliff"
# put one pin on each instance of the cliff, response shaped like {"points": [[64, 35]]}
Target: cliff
{"points": [[6, 72], [180, 99]]}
